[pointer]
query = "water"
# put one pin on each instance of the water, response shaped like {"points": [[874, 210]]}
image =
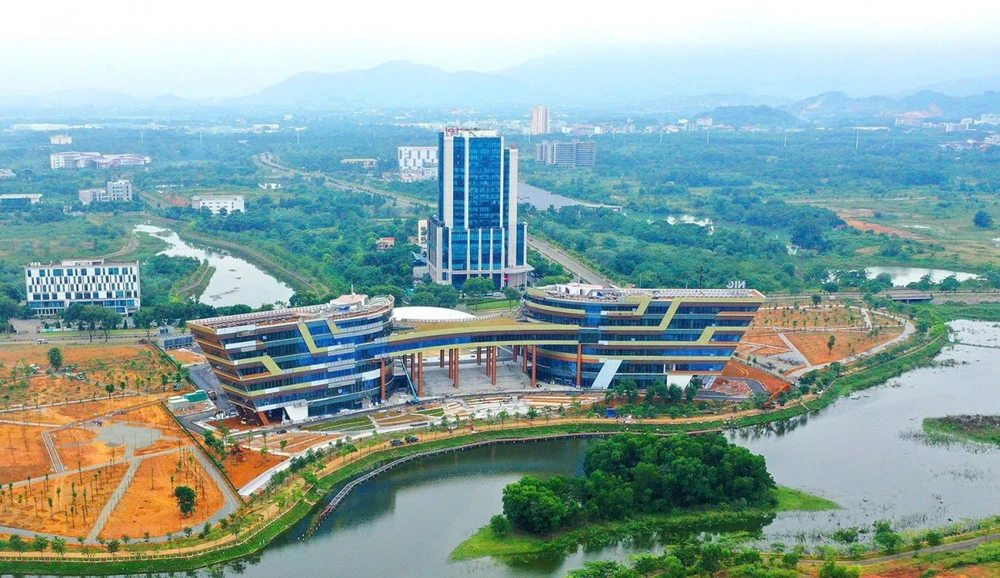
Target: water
{"points": [[865, 454], [543, 199], [235, 281], [902, 276]]}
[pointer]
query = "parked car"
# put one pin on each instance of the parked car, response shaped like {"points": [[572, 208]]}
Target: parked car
{"points": [[412, 439], [396, 443]]}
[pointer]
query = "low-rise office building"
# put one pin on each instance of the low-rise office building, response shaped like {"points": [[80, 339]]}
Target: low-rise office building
{"points": [[570, 155], [417, 163], [115, 191], [53, 287], [89, 160], [218, 203], [14, 200]]}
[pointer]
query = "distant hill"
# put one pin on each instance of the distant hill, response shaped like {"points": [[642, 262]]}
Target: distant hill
{"points": [[838, 108], [392, 84], [766, 116]]}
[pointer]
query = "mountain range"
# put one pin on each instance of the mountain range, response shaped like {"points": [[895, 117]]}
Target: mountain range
{"points": [[811, 84]]}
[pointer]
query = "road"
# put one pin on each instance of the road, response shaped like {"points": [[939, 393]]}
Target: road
{"points": [[552, 253]]}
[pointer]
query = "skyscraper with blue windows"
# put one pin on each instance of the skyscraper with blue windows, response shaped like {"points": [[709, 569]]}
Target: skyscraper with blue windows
{"points": [[475, 232]]}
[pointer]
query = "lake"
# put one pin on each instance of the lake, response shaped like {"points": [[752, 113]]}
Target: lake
{"points": [[902, 276]]}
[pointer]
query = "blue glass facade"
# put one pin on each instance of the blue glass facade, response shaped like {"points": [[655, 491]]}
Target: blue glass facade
{"points": [[475, 231]]}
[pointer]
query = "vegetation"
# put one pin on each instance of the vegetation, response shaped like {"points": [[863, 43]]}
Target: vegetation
{"points": [[978, 428], [628, 475]]}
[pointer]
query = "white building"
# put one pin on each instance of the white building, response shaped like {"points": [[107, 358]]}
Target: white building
{"points": [[120, 190], [19, 200], [87, 160], [60, 139], [55, 286], [417, 163], [7, 174], [540, 120], [216, 203]]}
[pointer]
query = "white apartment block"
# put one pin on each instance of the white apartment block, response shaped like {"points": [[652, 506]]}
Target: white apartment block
{"points": [[216, 203], [87, 160], [120, 190], [417, 163], [60, 139], [53, 287], [540, 120], [7, 174]]}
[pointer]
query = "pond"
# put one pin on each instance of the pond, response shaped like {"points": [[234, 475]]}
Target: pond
{"points": [[235, 281], [902, 276]]}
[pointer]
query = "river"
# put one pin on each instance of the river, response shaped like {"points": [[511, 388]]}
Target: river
{"points": [[866, 454], [902, 276], [235, 281]]}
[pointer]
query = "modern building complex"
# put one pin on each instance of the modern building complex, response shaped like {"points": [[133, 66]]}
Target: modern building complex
{"points": [[291, 364], [540, 123], [77, 160], [120, 190], [18, 201], [216, 203], [55, 286], [475, 232], [640, 334], [61, 139], [417, 163], [570, 155]]}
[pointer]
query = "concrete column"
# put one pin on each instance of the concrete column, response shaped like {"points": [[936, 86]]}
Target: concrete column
{"points": [[420, 375], [451, 363], [534, 366], [524, 360], [457, 365], [381, 377], [513, 351], [493, 374], [442, 358], [479, 356], [579, 363]]}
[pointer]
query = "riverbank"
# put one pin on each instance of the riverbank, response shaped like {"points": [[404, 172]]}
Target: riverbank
{"points": [[486, 543]]}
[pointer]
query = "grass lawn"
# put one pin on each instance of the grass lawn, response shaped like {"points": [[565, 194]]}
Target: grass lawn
{"points": [[790, 500], [353, 424], [489, 305]]}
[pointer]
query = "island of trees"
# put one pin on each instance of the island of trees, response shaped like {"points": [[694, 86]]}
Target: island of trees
{"points": [[629, 475]]}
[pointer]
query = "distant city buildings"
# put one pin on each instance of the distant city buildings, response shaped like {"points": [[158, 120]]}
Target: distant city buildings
{"points": [[476, 232], [991, 119], [60, 139], [569, 155], [120, 190], [7, 174], [87, 160], [417, 163], [218, 203], [14, 200], [385, 243], [40, 127], [53, 287], [540, 120], [265, 128]]}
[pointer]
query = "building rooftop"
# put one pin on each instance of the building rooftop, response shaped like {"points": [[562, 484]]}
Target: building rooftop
{"points": [[21, 196], [430, 314], [80, 263], [471, 132], [342, 307], [605, 293]]}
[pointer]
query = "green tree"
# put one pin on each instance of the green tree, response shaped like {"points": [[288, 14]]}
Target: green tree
{"points": [[816, 299], [951, 284], [831, 342], [531, 506], [186, 499], [983, 220], [500, 525], [885, 537], [143, 319], [511, 294], [55, 358], [477, 287], [59, 546], [113, 546], [8, 309]]}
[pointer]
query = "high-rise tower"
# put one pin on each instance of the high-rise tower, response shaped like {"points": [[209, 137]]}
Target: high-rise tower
{"points": [[475, 232], [540, 120]]}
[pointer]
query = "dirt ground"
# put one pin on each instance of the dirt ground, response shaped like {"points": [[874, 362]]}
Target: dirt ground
{"points": [[737, 369], [823, 316], [29, 509], [22, 453], [814, 344], [242, 473], [184, 356], [149, 504], [901, 233]]}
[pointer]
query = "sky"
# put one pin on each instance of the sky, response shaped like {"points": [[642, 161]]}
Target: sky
{"points": [[211, 48]]}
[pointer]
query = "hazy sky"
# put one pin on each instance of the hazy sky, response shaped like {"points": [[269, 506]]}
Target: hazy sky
{"points": [[213, 48]]}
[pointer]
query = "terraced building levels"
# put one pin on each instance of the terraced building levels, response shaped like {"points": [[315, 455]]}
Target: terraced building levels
{"points": [[640, 334]]}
